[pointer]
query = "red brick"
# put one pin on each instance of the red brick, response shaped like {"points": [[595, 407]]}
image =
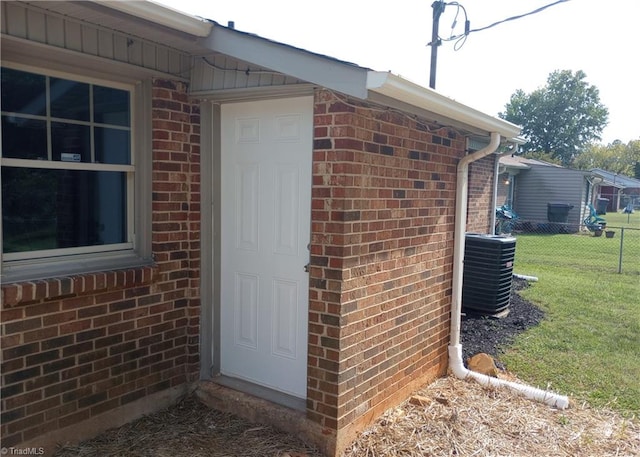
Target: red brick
{"points": [[75, 326], [76, 302], [92, 311], [22, 325], [64, 410], [58, 318], [120, 328], [43, 405], [25, 423], [109, 297], [21, 400], [107, 319], [11, 314], [44, 308], [10, 341], [11, 294]]}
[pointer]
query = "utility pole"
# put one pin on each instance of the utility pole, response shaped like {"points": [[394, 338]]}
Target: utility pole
{"points": [[438, 8]]}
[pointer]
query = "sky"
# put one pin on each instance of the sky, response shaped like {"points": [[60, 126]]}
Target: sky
{"points": [[599, 37]]}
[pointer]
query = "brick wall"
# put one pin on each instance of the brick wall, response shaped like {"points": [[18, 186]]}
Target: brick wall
{"points": [[480, 199], [382, 247], [76, 347]]}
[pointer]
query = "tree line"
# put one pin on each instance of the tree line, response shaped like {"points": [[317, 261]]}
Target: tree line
{"points": [[562, 122]]}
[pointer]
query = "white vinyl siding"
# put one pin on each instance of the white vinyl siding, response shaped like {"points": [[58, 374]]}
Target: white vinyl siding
{"points": [[540, 185]]}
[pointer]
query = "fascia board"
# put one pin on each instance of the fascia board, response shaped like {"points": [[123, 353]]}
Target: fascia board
{"points": [[162, 15], [324, 71], [400, 89]]}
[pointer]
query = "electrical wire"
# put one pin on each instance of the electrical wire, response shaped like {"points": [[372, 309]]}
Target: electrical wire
{"points": [[455, 21], [460, 39], [428, 126], [247, 71], [542, 8]]}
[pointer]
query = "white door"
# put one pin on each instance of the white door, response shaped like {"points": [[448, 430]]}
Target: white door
{"points": [[266, 212]]}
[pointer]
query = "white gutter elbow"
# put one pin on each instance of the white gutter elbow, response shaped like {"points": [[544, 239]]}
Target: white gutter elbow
{"points": [[532, 393], [456, 364]]}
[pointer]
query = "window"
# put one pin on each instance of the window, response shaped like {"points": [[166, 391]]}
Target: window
{"points": [[68, 169]]}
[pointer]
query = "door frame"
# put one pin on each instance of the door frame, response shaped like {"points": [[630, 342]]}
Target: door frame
{"points": [[210, 244]]}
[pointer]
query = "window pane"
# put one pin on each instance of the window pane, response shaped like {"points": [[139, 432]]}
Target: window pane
{"points": [[112, 146], [23, 92], [110, 106], [69, 99], [70, 142], [50, 209], [28, 209], [24, 138]]}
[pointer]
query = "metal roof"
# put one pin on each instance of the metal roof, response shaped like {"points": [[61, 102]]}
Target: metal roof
{"points": [[616, 180]]}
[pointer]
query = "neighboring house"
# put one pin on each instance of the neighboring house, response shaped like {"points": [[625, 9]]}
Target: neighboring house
{"points": [[534, 184], [508, 169], [619, 190], [184, 202]]}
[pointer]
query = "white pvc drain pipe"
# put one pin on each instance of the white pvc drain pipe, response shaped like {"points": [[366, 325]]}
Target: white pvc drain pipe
{"points": [[455, 348]]}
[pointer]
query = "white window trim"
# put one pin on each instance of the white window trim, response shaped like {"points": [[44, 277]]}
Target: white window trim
{"points": [[27, 163], [136, 252]]}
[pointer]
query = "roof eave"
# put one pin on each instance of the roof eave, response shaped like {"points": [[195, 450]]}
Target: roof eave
{"points": [[305, 65], [162, 15], [393, 86]]}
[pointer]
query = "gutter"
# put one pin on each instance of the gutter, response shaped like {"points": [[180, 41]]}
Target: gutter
{"points": [[455, 348], [162, 15], [386, 83]]}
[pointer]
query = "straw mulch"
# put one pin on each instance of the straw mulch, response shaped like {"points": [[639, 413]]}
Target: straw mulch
{"points": [[450, 417], [462, 418], [190, 428]]}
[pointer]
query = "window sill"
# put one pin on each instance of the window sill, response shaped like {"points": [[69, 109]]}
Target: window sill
{"points": [[18, 293]]}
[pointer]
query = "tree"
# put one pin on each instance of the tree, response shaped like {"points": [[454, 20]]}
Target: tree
{"points": [[560, 118], [616, 157]]}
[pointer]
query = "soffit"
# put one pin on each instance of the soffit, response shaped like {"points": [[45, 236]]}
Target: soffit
{"points": [[110, 18]]}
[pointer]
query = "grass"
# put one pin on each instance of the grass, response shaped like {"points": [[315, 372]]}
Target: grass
{"points": [[588, 346], [585, 251]]}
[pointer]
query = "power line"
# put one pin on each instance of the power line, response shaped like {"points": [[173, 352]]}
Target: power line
{"points": [[512, 18], [436, 40]]}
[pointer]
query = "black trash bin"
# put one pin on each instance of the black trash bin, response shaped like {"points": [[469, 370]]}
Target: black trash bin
{"points": [[601, 205], [558, 212]]}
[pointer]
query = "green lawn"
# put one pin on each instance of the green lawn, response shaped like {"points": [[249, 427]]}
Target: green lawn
{"points": [[584, 251], [588, 346]]}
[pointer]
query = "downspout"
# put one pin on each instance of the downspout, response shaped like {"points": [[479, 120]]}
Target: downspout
{"points": [[494, 199], [455, 348]]}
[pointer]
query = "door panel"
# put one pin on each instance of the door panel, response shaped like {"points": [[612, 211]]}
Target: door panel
{"points": [[266, 199]]}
